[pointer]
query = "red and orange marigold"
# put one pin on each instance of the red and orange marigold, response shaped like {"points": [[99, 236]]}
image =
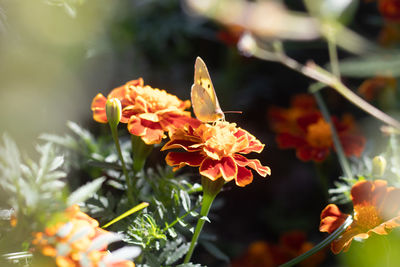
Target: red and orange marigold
{"points": [[70, 242], [376, 210], [218, 152], [303, 128], [149, 112], [291, 245]]}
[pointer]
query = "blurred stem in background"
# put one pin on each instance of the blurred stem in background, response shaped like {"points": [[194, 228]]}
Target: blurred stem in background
{"points": [[248, 45]]}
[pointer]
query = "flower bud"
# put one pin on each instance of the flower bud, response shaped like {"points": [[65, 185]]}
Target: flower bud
{"points": [[113, 111], [378, 166]]}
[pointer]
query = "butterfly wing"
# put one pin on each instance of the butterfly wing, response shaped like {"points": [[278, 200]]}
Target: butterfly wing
{"points": [[204, 100]]}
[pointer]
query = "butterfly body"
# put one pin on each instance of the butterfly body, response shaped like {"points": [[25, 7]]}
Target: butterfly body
{"points": [[204, 100]]}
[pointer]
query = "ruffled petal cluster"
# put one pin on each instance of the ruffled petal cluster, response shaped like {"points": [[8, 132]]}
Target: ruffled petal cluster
{"points": [[149, 112], [303, 128], [218, 150], [376, 210], [70, 242]]}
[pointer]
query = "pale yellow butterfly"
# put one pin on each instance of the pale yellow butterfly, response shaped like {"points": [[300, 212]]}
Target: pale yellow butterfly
{"points": [[204, 100]]}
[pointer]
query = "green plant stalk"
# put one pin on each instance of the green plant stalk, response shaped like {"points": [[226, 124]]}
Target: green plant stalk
{"points": [[320, 245], [140, 151], [168, 226], [210, 191], [129, 191], [336, 141], [333, 56]]}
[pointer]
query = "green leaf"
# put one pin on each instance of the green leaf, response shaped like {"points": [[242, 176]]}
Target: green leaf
{"points": [[215, 251], [178, 253], [372, 65], [86, 191], [185, 199]]}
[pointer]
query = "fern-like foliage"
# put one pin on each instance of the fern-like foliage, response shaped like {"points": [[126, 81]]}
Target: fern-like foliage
{"points": [[34, 191]]}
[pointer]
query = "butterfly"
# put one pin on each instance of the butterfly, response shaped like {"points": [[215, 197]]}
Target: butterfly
{"points": [[204, 100]]}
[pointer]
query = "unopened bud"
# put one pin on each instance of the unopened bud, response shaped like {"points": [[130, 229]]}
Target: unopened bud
{"points": [[113, 111], [378, 166]]}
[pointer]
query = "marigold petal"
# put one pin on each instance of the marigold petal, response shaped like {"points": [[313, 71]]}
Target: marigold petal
{"points": [[149, 117], [210, 168], [150, 132], [331, 218], [252, 144], [287, 140], [183, 158], [137, 82], [255, 164], [361, 192], [390, 204], [244, 176], [344, 241], [99, 108], [178, 119]]}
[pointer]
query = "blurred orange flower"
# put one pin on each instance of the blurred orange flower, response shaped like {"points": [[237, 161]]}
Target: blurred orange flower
{"points": [[303, 128], [390, 9], [218, 151], [371, 88], [376, 210], [149, 112], [291, 245], [69, 242]]}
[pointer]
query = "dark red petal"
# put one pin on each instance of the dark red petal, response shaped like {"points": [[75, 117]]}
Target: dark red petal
{"points": [[244, 176]]}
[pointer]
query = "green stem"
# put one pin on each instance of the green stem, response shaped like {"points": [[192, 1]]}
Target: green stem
{"points": [[336, 141], [321, 245], [168, 226], [210, 191], [140, 151], [333, 56], [129, 191]]}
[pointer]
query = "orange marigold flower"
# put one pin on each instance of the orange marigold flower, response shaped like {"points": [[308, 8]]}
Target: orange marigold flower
{"points": [[67, 242], [303, 128], [149, 112], [218, 151], [376, 210]]}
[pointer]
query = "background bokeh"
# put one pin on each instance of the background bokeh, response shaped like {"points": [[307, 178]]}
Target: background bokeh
{"points": [[55, 56]]}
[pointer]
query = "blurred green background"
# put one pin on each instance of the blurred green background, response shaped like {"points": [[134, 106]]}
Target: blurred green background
{"points": [[56, 55]]}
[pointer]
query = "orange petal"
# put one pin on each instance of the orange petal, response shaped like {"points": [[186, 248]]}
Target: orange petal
{"points": [[331, 218], [252, 163], [213, 169], [344, 241], [99, 108], [361, 192], [391, 204], [244, 176], [183, 158], [150, 132]]}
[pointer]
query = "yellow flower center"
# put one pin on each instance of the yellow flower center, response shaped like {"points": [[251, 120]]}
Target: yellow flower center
{"points": [[319, 134], [219, 139], [158, 99], [366, 216]]}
